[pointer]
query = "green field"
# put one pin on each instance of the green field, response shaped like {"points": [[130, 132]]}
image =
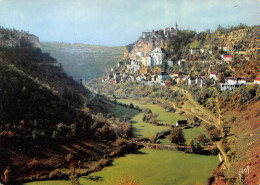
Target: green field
{"points": [[149, 166], [153, 167], [190, 133], [164, 117], [141, 129]]}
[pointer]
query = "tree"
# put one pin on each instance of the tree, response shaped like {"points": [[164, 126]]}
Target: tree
{"points": [[221, 77], [131, 106], [201, 138], [144, 118], [190, 142], [191, 147], [194, 44], [176, 136], [198, 148], [214, 134]]}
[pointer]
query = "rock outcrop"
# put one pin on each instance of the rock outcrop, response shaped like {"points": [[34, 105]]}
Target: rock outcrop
{"points": [[12, 38], [145, 46]]}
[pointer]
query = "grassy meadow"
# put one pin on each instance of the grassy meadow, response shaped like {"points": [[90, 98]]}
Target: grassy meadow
{"points": [[164, 117], [141, 129], [190, 133], [152, 167]]}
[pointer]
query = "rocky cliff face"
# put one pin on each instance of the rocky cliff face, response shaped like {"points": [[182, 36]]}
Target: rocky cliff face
{"points": [[11, 38], [145, 46]]}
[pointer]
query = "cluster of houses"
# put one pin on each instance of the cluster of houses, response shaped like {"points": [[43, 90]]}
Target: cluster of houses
{"points": [[165, 79]]}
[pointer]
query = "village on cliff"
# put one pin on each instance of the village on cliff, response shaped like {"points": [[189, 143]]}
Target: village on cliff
{"points": [[147, 69]]}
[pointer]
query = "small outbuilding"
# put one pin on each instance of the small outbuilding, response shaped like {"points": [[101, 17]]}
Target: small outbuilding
{"points": [[181, 123]]}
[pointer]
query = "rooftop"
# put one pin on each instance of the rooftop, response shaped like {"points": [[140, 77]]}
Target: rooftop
{"points": [[158, 50], [163, 73]]}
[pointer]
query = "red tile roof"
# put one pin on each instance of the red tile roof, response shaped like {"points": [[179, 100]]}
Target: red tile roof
{"points": [[214, 73], [228, 56], [257, 78], [177, 72]]}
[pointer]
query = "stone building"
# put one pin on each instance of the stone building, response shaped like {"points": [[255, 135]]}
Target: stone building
{"points": [[157, 55]]}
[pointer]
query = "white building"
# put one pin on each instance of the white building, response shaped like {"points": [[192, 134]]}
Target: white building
{"points": [[139, 55], [147, 60], [200, 81], [232, 82], [158, 56], [131, 78], [181, 61], [226, 48], [257, 80], [180, 123], [193, 51], [134, 67], [202, 51], [227, 58], [213, 75], [231, 87], [163, 76], [170, 63], [176, 74], [191, 81]]}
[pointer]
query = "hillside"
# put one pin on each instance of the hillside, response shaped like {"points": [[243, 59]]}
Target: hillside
{"points": [[240, 118], [41, 107], [82, 60]]}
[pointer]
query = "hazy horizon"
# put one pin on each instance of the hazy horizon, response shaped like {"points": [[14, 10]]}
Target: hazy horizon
{"points": [[118, 22]]}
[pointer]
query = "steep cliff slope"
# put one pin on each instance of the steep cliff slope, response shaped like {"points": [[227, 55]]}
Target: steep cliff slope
{"points": [[144, 45]]}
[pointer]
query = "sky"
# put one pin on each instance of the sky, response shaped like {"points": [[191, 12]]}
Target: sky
{"points": [[121, 22]]}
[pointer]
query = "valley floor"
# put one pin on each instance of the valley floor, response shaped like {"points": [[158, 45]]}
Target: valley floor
{"points": [[150, 166]]}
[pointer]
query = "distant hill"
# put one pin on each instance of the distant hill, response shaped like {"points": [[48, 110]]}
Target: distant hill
{"points": [[83, 60]]}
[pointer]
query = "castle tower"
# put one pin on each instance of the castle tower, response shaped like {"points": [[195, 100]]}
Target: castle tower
{"points": [[176, 26]]}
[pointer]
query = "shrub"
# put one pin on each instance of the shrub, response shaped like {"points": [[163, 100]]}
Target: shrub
{"points": [[131, 106], [201, 138], [214, 134], [121, 142], [212, 149], [69, 157], [147, 111], [176, 136], [127, 181], [57, 174]]}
